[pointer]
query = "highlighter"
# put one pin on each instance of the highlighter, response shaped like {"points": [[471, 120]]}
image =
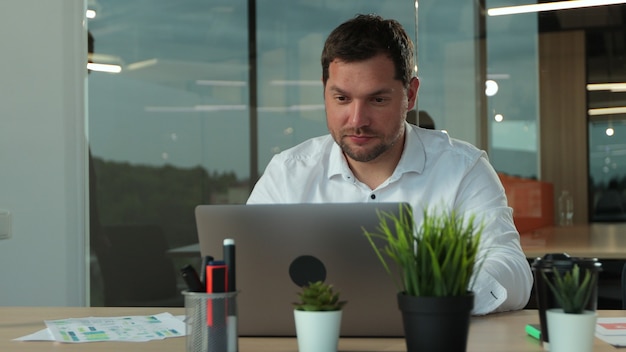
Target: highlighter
{"points": [[534, 330], [216, 282]]}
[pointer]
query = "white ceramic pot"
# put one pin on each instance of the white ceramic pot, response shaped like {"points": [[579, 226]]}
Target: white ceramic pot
{"points": [[317, 331], [571, 332]]}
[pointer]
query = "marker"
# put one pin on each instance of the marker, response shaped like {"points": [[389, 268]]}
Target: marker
{"points": [[205, 261], [216, 282], [216, 277], [534, 330], [231, 321], [194, 284], [229, 259]]}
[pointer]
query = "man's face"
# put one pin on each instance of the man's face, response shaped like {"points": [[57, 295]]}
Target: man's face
{"points": [[366, 108]]}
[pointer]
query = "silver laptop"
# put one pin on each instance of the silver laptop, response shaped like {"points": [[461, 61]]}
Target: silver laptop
{"points": [[279, 246]]}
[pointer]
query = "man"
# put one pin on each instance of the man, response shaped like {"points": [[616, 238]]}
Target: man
{"points": [[373, 155]]}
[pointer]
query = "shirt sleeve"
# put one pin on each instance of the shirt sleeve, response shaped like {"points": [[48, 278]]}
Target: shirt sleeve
{"points": [[504, 281], [268, 188]]}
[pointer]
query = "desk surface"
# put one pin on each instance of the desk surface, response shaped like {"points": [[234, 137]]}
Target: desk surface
{"points": [[495, 332], [599, 240]]}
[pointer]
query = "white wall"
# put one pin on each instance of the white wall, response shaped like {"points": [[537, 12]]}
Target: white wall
{"points": [[43, 152]]}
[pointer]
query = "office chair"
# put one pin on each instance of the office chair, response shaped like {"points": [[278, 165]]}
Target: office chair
{"points": [[610, 284], [136, 271]]}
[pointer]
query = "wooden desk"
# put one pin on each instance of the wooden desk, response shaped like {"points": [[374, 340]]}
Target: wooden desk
{"points": [[495, 332], [598, 240]]}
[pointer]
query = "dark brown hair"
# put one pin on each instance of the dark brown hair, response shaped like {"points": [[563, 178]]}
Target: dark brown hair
{"points": [[366, 36]]}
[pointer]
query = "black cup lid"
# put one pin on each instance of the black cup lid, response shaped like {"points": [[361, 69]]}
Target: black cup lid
{"points": [[564, 261]]}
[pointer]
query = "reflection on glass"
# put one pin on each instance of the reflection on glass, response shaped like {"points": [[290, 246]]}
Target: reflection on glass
{"points": [[290, 41], [171, 130], [607, 170], [168, 132], [513, 112]]}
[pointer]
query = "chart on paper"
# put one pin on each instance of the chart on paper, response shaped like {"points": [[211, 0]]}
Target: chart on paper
{"points": [[132, 328]]}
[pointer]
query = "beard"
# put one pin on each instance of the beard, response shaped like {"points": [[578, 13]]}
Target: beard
{"points": [[360, 154], [364, 155]]}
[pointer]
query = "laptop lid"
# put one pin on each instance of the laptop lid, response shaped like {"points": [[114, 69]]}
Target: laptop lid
{"points": [[279, 243]]}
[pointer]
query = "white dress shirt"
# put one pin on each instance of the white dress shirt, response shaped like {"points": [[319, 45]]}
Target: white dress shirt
{"points": [[435, 171]]}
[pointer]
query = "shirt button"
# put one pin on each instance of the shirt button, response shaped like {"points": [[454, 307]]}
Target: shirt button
{"points": [[373, 196]]}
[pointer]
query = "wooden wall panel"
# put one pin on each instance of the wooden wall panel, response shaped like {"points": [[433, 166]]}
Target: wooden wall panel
{"points": [[563, 117]]}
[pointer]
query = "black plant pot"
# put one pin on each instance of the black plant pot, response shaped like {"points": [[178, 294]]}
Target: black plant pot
{"points": [[436, 324]]}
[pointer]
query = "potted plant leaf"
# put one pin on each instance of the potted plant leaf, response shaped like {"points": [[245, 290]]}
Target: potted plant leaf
{"points": [[435, 263], [318, 317], [572, 327]]}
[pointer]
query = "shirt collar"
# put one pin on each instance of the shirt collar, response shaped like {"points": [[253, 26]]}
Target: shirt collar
{"points": [[337, 164], [413, 157]]}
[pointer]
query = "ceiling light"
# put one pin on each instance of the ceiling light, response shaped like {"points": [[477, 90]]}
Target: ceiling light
{"points": [[313, 83], [607, 111], [606, 86], [104, 68], [217, 83], [491, 87], [141, 64], [498, 76], [195, 108], [550, 6]]}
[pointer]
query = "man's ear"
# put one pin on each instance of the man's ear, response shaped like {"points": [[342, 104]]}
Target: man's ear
{"points": [[412, 92]]}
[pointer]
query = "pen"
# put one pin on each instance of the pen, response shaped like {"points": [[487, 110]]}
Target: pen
{"points": [[231, 320]]}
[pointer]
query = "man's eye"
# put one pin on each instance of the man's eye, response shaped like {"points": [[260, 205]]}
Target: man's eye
{"points": [[379, 100]]}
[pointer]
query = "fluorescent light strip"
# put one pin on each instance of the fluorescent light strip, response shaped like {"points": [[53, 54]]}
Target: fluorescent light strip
{"points": [[313, 107], [104, 68], [141, 64], [209, 108], [550, 6], [314, 83], [606, 86], [205, 82], [495, 76], [195, 108], [607, 111]]}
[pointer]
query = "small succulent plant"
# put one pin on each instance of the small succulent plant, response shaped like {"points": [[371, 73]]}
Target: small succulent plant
{"points": [[571, 290], [318, 296]]}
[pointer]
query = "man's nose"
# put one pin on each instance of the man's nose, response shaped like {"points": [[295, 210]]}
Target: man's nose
{"points": [[359, 114]]}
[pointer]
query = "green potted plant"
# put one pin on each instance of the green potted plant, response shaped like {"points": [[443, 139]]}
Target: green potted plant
{"points": [[572, 326], [435, 264], [317, 316]]}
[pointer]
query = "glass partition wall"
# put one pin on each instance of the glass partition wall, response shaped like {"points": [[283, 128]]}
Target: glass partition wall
{"points": [[207, 91], [606, 94], [204, 92]]}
